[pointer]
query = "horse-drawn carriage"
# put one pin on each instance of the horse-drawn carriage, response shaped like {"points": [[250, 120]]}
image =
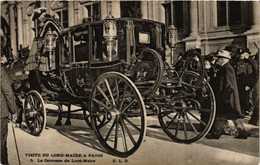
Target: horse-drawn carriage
{"points": [[116, 71]]}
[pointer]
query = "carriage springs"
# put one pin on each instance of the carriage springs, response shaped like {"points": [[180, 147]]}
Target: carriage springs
{"points": [[56, 157]]}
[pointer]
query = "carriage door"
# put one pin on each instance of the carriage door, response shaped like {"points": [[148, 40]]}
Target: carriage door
{"points": [[79, 62]]}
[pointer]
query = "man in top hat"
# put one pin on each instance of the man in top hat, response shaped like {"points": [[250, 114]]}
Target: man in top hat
{"points": [[227, 98]]}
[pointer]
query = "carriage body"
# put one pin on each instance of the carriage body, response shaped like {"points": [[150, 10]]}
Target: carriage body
{"points": [[84, 50]]}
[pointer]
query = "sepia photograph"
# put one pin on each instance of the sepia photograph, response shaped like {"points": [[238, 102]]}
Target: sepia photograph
{"points": [[118, 82]]}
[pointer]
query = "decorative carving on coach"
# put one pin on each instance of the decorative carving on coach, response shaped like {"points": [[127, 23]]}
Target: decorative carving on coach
{"points": [[158, 36], [110, 35], [130, 40]]}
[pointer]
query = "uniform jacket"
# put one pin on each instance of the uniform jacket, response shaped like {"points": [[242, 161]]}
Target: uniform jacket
{"points": [[245, 71], [8, 103], [226, 92], [246, 76]]}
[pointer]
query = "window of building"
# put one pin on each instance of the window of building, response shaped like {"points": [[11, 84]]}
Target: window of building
{"points": [[229, 13], [178, 13], [61, 8], [93, 10], [131, 9], [63, 15]]}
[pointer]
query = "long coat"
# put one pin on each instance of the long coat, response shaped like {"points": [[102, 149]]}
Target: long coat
{"points": [[226, 93], [8, 103]]}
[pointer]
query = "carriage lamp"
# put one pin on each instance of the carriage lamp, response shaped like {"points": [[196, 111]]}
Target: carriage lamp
{"points": [[110, 34], [173, 40], [50, 45]]}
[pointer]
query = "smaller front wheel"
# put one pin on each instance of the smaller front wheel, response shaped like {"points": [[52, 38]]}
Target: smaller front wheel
{"points": [[116, 99], [34, 113]]}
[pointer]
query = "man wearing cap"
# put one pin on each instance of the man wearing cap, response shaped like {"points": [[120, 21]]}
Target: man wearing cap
{"points": [[227, 98], [245, 74]]}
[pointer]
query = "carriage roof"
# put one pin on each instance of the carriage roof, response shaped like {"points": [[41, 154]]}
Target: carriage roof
{"points": [[83, 26]]}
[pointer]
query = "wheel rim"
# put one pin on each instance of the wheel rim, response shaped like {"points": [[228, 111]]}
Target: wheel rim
{"points": [[117, 99], [34, 113], [190, 118]]}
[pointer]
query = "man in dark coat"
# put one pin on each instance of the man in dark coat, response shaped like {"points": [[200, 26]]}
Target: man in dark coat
{"points": [[245, 74], [227, 97], [8, 105]]}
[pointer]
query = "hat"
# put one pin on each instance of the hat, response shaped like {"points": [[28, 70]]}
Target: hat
{"points": [[224, 54]]}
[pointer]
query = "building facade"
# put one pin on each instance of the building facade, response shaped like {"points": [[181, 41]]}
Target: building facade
{"points": [[209, 25]]}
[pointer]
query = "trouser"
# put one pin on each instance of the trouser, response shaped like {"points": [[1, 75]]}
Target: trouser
{"points": [[4, 132]]}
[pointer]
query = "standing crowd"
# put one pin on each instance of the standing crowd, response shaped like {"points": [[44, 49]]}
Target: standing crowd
{"points": [[234, 78]]}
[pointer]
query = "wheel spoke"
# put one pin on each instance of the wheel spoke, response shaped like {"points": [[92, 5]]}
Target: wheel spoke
{"points": [[35, 124], [197, 118], [195, 130], [128, 132], [110, 92], [104, 95], [110, 130], [130, 122], [185, 129], [39, 119], [177, 128], [30, 102], [123, 135], [116, 134], [128, 105], [123, 98], [117, 92], [100, 103], [172, 121]]}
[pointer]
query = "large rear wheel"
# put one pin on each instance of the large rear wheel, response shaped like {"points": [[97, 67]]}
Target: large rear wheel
{"points": [[191, 113], [116, 99]]}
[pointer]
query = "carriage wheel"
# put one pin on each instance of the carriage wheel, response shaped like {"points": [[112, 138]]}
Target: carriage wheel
{"points": [[148, 71], [34, 113], [191, 114], [116, 98]]}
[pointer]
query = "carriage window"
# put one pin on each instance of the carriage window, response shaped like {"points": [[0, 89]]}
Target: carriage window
{"points": [[98, 43], [144, 38], [80, 46]]}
